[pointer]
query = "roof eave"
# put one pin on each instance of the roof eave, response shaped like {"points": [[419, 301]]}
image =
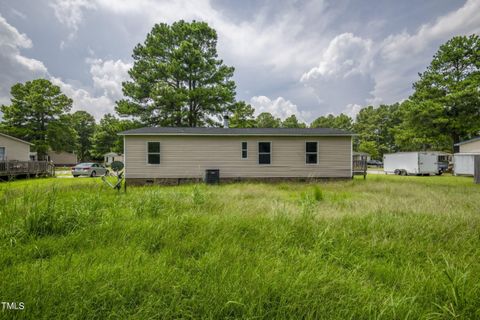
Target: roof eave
{"points": [[466, 141], [242, 134], [16, 139]]}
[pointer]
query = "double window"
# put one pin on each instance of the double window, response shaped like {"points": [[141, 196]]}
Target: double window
{"points": [[2, 154], [244, 150], [153, 152], [311, 152], [264, 153]]}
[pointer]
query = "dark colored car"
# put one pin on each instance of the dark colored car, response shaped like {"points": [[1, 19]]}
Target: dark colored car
{"points": [[375, 163], [442, 167]]}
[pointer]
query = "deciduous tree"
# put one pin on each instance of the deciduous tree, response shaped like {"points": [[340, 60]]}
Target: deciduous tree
{"points": [[106, 138], [37, 114], [376, 129], [267, 120], [84, 125], [341, 121], [292, 122], [242, 115]]}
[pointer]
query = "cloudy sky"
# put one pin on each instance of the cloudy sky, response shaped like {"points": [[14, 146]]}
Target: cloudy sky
{"points": [[305, 57]]}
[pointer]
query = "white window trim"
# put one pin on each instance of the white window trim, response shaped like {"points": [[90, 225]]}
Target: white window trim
{"points": [[241, 150], [258, 153], [4, 153], [147, 153], [307, 153]]}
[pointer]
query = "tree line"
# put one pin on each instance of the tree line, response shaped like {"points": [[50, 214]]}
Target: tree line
{"points": [[40, 113], [177, 79]]}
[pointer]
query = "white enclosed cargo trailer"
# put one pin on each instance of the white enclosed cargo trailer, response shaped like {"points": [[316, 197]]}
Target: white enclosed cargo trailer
{"points": [[463, 164], [411, 163]]}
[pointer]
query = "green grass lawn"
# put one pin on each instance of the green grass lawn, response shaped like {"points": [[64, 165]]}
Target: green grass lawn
{"points": [[385, 248]]}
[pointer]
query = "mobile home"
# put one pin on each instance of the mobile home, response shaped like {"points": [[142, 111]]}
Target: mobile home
{"points": [[172, 155]]}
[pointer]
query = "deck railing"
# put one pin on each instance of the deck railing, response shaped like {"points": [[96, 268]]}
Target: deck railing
{"points": [[11, 168], [359, 165]]}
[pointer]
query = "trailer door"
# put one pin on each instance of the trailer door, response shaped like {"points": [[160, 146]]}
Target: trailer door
{"points": [[428, 163]]}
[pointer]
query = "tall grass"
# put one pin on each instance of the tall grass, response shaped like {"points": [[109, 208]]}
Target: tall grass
{"points": [[384, 248]]}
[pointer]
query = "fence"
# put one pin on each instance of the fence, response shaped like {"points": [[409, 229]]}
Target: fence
{"points": [[16, 168]]}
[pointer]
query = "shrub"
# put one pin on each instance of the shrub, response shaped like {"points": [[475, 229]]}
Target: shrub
{"points": [[317, 193]]}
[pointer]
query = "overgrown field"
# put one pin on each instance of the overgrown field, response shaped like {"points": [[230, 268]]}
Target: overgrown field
{"points": [[385, 248]]}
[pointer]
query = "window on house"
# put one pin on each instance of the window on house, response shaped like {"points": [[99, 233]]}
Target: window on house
{"points": [[153, 153], [264, 153], [311, 152], [2, 153], [244, 150]]}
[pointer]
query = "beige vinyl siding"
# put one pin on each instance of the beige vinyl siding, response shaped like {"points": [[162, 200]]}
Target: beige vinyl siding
{"points": [[190, 156], [14, 149], [62, 158], [473, 146]]}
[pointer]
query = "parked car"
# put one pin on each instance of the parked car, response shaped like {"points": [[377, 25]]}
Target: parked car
{"points": [[443, 166], [375, 163], [89, 169]]}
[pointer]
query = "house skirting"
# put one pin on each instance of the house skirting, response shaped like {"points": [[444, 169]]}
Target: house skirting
{"points": [[178, 181]]}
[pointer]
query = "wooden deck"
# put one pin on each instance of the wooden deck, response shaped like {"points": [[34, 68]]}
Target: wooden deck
{"points": [[359, 165], [11, 169]]}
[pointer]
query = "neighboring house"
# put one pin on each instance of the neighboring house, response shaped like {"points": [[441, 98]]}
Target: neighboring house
{"points": [[173, 155], [62, 158], [12, 148], [108, 158], [472, 145]]}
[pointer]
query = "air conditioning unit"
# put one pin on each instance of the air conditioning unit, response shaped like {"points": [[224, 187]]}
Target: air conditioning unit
{"points": [[212, 176]]}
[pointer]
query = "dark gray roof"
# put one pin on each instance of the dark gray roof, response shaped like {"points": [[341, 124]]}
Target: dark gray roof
{"points": [[237, 131], [467, 141]]}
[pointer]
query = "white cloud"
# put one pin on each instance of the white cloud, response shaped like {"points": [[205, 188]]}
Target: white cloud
{"points": [[108, 76], [352, 110], [465, 20], [272, 49], [346, 55], [84, 100], [342, 77], [270, 40], [355, 71], [14, 66], [403, 55], [70, 14], [18, 13], [278, 107]]}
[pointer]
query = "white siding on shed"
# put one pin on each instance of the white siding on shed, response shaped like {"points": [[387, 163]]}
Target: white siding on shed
{"points": [[463, 164]]}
